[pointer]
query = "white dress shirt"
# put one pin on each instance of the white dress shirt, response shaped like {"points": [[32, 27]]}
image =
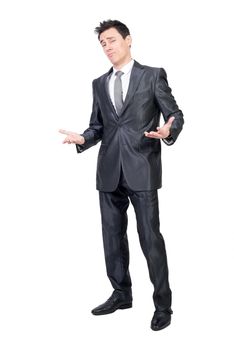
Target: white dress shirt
{"points": [[125, 80]]}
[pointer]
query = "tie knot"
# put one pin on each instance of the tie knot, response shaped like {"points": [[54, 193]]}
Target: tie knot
{"points": [[119, 73]]}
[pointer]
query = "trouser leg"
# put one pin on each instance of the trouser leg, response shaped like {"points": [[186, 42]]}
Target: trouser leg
{"points": [[147, 215], [114, 218]]}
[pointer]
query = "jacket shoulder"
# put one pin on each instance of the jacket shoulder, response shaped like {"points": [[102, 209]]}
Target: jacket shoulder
{"points": [[150, 68], [100, 79], [153, 71]]}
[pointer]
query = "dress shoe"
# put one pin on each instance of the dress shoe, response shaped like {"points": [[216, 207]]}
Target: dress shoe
{"points": [[117, 301], [161, 320]]}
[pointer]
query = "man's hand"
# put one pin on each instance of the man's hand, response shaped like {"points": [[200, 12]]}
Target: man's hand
{"points": [[72, 137], [162, 132]]}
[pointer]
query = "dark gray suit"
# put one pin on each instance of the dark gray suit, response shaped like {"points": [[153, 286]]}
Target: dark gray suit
{"points": [[129, 166], [123, 139]]}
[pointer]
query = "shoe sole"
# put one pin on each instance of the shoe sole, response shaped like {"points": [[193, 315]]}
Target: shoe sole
{"points": [[121, 307]]}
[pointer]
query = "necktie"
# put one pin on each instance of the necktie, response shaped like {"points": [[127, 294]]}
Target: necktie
{"points": [[118, 92]]}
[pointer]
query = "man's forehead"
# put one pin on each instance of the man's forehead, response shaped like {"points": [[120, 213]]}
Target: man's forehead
{"points": [[108, 34]]}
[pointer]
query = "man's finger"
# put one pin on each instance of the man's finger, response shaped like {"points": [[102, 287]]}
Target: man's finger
{"points": [[153, 134], [170, 121], [65, 132]]}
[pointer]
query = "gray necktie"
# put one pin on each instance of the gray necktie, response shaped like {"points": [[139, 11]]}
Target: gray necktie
{"points": [[118, 92]]}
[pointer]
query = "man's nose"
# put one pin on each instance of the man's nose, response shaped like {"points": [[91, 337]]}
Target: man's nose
{"points": [[108, 48]]}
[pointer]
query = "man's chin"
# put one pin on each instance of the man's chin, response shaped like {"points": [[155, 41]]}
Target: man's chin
{"points": [[112, 60]]}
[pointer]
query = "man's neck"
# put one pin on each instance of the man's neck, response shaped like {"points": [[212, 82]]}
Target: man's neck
{"points": [[122, 64]]}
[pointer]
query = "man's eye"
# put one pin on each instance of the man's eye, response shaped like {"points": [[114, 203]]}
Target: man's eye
{"points": [[112, 40]]}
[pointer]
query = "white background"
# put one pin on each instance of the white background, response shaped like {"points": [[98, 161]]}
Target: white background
{"points": [[52, 270]]}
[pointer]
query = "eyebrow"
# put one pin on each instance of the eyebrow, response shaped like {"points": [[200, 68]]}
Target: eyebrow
{"points": [[110, 37]]}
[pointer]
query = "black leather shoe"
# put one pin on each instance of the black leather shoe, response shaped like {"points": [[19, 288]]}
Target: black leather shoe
{"points": [[115, 302], [161, 320]]}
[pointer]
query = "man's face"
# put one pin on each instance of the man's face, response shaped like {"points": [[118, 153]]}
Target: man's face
{"points": [[115, 47]]}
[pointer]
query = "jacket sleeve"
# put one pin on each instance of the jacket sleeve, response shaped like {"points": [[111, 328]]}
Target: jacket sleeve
{"points": [[93, 134], [168, 106]]}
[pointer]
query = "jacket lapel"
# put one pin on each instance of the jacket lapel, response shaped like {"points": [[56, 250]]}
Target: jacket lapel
{"points": [[106, 82], [136, 75]]}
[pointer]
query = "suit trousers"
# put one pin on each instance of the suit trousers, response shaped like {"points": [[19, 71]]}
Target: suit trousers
{"points": [[113, 206]]}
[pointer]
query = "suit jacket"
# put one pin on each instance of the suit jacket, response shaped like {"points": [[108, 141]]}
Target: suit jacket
{"points": [[123, 140]]}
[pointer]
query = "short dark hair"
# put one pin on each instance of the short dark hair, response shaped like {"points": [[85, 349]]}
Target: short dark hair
{"points": [[119, 26]]}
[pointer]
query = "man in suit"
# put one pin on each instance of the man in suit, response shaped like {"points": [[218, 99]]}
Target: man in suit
{"points": [[127, 103]]}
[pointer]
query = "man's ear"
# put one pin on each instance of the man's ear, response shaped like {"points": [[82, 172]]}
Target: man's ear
{"points": [[129, 40]]}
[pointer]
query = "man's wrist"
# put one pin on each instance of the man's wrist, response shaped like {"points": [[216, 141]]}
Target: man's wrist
{"points": [[82, 140]]}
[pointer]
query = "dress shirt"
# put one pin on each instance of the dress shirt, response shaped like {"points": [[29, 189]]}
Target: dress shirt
{"points": [[125, 80]]}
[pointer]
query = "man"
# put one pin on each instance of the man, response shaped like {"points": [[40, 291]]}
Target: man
{"points": [[127, 102]]}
